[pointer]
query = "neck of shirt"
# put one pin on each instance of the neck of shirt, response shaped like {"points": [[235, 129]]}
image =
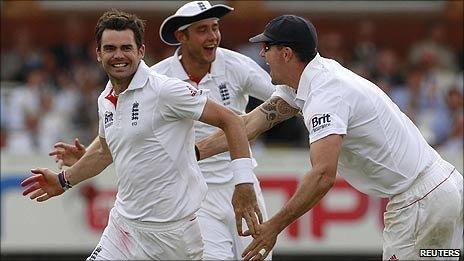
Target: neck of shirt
{"points": [[195, 76], [112, 97]]}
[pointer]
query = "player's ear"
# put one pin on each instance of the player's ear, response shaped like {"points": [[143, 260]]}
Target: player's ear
{"points": [[142, 51], [181, 36], [97, 51], [288, 54]]}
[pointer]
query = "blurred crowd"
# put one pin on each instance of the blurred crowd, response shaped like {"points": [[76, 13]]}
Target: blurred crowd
{"points": [[50, 94]]}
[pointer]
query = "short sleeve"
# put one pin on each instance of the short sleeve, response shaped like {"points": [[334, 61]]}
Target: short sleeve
{"points": [[180, 100], [326, 114], [287, 94], [101, 127]]}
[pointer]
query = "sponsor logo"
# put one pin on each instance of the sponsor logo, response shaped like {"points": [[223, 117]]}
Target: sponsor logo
{"points": [[393, 258], [194, 91], [319, 122], [108, 119], [135, 113]]}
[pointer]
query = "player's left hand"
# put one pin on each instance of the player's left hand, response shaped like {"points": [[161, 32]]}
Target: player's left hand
{"points": [[246, 206], [263, 243], [67, 154]]}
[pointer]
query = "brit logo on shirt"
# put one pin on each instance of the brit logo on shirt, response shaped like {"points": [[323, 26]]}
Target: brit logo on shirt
{"points": [[135, 113], [224, 92], [320, 121], [194, 91], [108, 119]]}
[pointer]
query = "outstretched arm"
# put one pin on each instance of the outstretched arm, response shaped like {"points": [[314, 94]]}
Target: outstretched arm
{"points": [[94, 161], [261, 119], [231, 125], [45, 184], [314, 185], [67, 154], [244, 198]]}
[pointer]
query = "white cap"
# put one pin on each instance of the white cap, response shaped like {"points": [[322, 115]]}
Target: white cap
{"points": [[186, 15]]}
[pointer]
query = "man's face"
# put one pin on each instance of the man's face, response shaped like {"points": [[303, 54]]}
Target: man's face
{"points": [[119, 54], [274, 59], [201, 40]]}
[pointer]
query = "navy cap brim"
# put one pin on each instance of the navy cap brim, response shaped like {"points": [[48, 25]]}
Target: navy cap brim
{"points": [[172, 23], [260, 38]]}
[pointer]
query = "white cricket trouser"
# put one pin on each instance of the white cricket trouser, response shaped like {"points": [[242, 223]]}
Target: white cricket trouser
{"points": [[217, 222], [125, 239], [428, 215]]}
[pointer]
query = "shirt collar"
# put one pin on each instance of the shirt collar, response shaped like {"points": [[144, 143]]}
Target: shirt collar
{"points": [[137, 82], [304, 86], [141, 76], [177, 68], [218, 66]]}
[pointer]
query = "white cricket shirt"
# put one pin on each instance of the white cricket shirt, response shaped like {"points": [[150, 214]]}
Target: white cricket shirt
{"points": [[233, 77], [382, 150], [151, 138]]}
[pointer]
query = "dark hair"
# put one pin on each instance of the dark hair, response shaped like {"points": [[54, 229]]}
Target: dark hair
{"points": [[118, 20], [303, 53]]}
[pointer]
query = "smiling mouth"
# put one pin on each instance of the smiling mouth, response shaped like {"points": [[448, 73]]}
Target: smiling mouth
{"points": [[210, 47], [120, 65]]}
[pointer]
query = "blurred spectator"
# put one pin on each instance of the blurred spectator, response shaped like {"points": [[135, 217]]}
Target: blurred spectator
{"points": [[84, 115], [331, 46], [435, 43], [437, 79], [21, 58], [448, 122], [50, 67], [415, 101], [50, 125], [74, 47], [365, 49], [387, 70], [26, 112], [411, 97]]}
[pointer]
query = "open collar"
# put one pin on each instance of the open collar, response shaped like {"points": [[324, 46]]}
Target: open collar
{"points": [[138, 81], [304, 86], [141, 76]]}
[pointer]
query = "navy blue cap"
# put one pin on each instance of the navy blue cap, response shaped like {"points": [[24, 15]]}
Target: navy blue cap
{"points": [[289, 29]]}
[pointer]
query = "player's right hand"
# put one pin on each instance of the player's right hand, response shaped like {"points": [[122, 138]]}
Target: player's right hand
{"points": [[43, 185], [246, 207], [67, 154]]}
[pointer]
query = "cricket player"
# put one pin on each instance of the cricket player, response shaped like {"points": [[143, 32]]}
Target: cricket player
{"points": [[229, 78], [355, 129], [146, 129]]}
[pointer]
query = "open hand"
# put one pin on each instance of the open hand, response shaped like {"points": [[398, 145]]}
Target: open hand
{"points": [[246, 206], [67, 154], [263, 243], [43, 185]]}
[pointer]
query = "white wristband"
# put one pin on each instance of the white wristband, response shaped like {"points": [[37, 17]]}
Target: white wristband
{"points": [[242, 169]]}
